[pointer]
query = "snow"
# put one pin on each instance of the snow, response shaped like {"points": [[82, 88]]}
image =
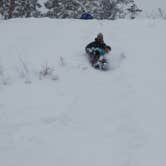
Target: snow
{"points": [[150, 5], [42, 9], [76, 115], [152, 9]]}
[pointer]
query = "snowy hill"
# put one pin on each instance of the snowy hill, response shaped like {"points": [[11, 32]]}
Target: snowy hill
{"points": [[150, 5], [152, 9], [55, 109]]}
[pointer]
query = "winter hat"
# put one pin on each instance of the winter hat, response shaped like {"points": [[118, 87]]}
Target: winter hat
{"points": [[100, 36]]}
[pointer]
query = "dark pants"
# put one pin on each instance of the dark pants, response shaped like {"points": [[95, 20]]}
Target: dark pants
{"points": [[93, 56]]}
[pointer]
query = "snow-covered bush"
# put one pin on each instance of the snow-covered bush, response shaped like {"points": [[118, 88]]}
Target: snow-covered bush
{"points": [[103, 9], [19, 8], [99, 9]]}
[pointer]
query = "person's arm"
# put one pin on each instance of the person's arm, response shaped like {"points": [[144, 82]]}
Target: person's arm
{"points": [[90, 48]]}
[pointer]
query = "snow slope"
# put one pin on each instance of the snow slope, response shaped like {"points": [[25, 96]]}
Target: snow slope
{"points": [[151, 8], [76, 115], [149, 5]]}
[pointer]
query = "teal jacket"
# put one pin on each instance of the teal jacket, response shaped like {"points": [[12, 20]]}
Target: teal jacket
{"points": [[101, 51]]}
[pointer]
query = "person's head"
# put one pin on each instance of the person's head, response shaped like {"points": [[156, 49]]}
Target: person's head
{"points": [[99, 37], [107, 49]]}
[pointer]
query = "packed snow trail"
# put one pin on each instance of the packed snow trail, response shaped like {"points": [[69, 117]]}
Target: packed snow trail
{"points": [[73, 114]]}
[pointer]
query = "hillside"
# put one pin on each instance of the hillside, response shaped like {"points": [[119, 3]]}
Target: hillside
{"points": [[73, 114], [149, 5]]}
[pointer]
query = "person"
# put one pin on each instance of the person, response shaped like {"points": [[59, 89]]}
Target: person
{"points": [[97, 49]]}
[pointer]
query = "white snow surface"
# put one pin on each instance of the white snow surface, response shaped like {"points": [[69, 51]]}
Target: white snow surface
{"points": [[153, 9], [76, 115], [150, 5]]}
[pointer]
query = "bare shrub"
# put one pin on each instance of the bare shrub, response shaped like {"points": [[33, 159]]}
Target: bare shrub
{"points": [[48, 72]]}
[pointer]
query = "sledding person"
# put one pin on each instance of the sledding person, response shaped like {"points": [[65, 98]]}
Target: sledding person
{"points": [[97, 49]]}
